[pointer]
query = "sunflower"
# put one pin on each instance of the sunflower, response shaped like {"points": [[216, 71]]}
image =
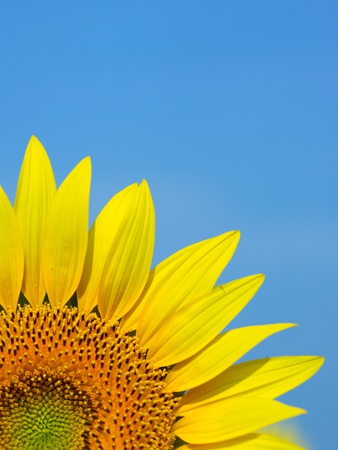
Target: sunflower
{"points": [[99, 351]]}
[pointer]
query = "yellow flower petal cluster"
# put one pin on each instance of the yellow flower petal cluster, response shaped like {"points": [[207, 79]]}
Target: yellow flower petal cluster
{"points": [[142, 361]]}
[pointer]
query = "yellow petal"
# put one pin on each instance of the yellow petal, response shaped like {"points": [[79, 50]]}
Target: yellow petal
{"points": [[101, 238], [11, 255], [194, 325], [266, 377], [36, 188], [252, 441], [128, 260], [180, 278], [66, 234], [231, 418], [217, 356]]}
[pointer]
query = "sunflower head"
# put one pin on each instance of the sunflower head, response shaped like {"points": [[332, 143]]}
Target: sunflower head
{"points": [[99, 351]]}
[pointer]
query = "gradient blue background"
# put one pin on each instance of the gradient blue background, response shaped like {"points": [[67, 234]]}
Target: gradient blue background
{"points": [[229, 110]]}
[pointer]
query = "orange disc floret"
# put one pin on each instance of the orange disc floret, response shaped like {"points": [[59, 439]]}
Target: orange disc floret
{"points": [[74, 382]]}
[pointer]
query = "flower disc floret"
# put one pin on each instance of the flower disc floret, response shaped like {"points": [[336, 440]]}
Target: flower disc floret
{"points": [[68, 381]]}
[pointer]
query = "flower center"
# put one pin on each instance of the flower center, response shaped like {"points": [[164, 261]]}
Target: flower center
{"points": [[70, 382], [45, 411]]}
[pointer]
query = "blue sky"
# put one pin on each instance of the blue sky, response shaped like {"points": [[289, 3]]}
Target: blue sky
{"points": [[229, 110]]}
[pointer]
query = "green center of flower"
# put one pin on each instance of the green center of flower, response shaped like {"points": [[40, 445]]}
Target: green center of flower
{"points": [[44, 411]]}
